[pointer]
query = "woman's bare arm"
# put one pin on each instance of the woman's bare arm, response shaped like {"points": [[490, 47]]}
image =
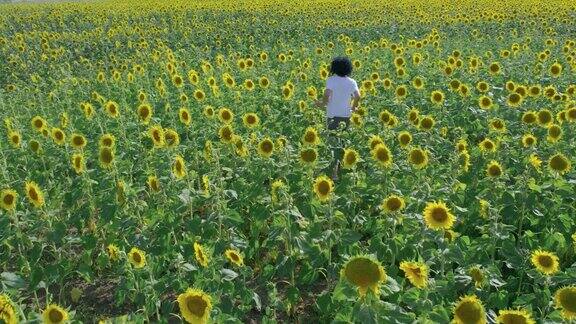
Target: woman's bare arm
{"points": [[355, 100], [325, 99]]}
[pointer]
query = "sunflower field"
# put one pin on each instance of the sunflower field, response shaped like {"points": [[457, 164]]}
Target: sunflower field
{"points": [[164, 162]]}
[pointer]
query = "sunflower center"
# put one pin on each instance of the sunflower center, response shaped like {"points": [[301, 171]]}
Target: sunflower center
{"points": [[310, 137], [514, 319], [266, 146], [439, 215], [234, 257], [8, 199], [350, 158], [382, 155], [417, 157], [545, 261], [55, 316], [324, 187], [196, 305], [136, 257], [393, 204], [308, 156], [362, 272], [33, 194], [469, 312], [558, 163], [78, 141], [568, 300]]}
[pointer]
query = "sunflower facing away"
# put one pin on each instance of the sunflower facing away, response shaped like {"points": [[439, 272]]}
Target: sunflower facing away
{"points": [[54, 314], [545, 262], [137, 258], [323, 187], [565, 299], [195, 306], [469, 310], [200, 254], [365, 273], [438, 216], [416, 273], [234, 256], [514, 316]]}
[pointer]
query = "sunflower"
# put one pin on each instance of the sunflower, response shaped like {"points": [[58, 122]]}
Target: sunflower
{"points": [[416, 273], [8, 199], [234, 256], [514, 100], [555, 70], [34, 194], [469, 310], [365, 273], [494, 169], [529, 140], [199, 95], [554, 133], [401, 92], [157, 135], [438, 216], [487, 146], [200, 254], [485, 102], [14, 138], [266, 147], [264, 82], [179, 167], [113, 252], [195, 306], [171, 137], [482, 86], [498, 125], [144, 113], [35, 146], [413, 114], [418, 158], [78, 163], [374, 140], [251, 120], [184, 116], [58, 136], [426, 123], [385, 116], [545, 262], [544, 117], [461, 145], [78, 141], [382, 155], [107, 140], [137, 258], [514, 316], [323, 188], [559, 163], [112, 109], [464, 160], [8, 314], [308, 155], [153, 183], [225, 115], [477, 276], [535, 161], [208, 111], [404, 138], [571, 114], [565, 299], [226, 134], [418, 83], [39, 123], [54, 314], [351, 157], [106, 157], [310, 136], [437, 97], [494, 68]]}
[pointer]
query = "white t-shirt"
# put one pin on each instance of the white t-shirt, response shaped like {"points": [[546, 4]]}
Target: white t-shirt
{"points": [[342, 90]]}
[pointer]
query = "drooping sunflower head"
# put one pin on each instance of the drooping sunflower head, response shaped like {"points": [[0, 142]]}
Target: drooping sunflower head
{"points": [[382, 155], [515, 316], [393, 203], [438, 216], [545, 262], [54, 314], [266, 147], [416, 273], [469, 310], [559, 163], [494, 169], [235, 257], [565, 299], [195, 306], [350, 159], [200, 254], [365, 273], [418, 158], [137, 258]]}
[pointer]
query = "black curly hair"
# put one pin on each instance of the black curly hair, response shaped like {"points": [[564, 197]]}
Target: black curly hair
{"points": [[341, 66]]}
